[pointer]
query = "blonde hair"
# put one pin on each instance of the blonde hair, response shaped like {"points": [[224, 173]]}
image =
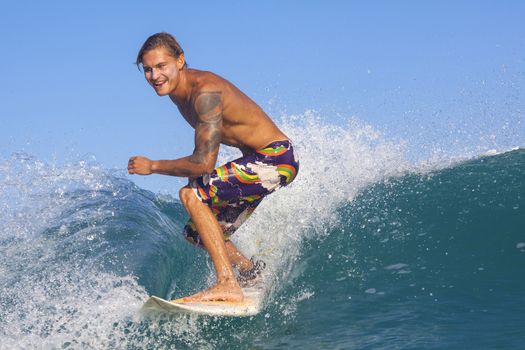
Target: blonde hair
{"points": [[161, 39]]}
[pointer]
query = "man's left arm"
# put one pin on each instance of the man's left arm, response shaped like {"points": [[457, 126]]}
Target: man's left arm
{"points": [[208, 107]]}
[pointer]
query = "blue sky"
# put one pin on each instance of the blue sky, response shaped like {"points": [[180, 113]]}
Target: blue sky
{"points": [[69, 86]]}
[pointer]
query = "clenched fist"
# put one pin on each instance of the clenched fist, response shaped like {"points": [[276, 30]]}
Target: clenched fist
{"points": [[139, 165]]}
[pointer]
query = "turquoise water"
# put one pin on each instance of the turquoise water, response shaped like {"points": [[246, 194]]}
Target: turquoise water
{"points": [[366, 251]]}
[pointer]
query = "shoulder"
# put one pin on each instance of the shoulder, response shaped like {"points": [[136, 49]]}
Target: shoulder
{"points": [[207, 99], [207, 92], [204, 80]]}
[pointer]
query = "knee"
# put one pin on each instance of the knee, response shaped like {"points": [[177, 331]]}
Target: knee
{"points": [[186, 196]]}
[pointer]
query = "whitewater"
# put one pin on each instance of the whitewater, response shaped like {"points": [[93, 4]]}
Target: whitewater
{"points": [[366, 249]]}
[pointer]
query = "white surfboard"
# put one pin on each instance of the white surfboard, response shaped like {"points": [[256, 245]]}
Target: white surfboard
{"points": [[250, 306]]}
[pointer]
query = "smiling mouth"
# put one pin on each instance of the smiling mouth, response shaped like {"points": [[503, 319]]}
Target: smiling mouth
{"points": [[158, 85]]}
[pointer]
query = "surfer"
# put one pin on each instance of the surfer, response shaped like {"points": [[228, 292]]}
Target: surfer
{"points": [[218, 199]]}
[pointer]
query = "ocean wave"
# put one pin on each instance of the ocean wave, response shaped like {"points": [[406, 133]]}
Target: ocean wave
{"points": [[364, 248]]}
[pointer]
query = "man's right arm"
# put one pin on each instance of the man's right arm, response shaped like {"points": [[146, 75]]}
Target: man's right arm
{"points": [[208, 129]]}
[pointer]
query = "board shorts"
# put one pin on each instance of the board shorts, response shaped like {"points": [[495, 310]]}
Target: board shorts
{"points": [[235, 189]]}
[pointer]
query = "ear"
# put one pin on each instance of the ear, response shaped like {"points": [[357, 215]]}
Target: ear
{"points": [[180, 61]]}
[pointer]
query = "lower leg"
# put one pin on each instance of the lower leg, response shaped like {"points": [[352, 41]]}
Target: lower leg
{"points": [[210, 232], [237, 259], [249, 270]]}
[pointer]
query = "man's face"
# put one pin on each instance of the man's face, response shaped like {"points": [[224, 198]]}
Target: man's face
{"points": [[161, 70]]}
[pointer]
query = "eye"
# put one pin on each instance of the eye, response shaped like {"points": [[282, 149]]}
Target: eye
{"points": [[147, 70]]}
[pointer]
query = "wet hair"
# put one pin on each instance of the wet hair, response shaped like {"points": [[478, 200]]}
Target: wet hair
{"points": [[162, 39]]}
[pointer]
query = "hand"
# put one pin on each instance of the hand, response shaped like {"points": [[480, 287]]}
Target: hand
{"points": [[139, 165]]}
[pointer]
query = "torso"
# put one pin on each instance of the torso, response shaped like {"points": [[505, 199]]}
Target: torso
{"points": [[244, 124]]}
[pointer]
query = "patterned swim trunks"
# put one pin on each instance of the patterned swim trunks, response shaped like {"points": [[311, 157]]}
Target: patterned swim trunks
{"points": [[235, 189]]}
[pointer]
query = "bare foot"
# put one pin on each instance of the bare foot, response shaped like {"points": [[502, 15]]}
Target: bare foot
{"points": [[219, 292]]}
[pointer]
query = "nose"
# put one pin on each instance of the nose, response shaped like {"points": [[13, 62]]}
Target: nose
{"points": [[154, 74]]}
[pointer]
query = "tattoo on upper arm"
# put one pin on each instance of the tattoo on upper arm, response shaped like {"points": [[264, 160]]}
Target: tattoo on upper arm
{"points": [[208, 127], [208, 107]]}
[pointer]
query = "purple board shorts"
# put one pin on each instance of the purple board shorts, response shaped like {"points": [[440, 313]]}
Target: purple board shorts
{"points": [[235, 189]]}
